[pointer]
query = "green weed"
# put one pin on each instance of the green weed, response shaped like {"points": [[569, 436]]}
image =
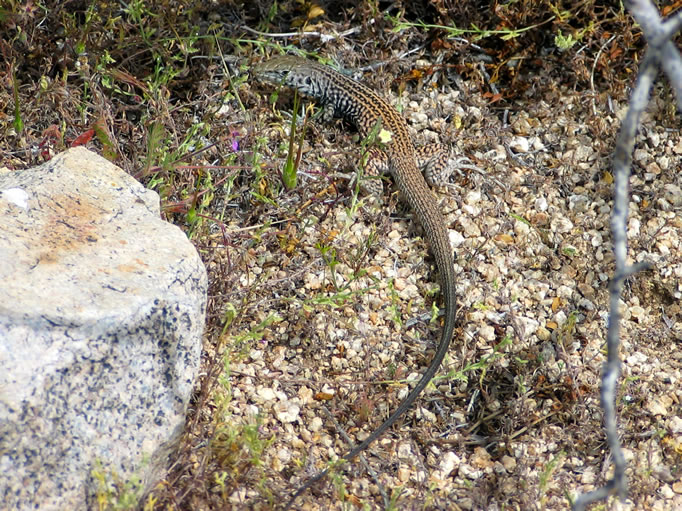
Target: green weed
{"points": [[115, 494], [452, 32], [546, 475]]}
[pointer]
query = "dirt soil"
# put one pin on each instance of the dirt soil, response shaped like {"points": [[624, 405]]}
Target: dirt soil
{"points": [[323, 304]]}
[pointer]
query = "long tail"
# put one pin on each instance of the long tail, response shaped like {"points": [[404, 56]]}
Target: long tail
{"points": [[423, 204]]}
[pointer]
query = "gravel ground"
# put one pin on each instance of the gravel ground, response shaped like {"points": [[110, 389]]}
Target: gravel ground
{"points": [[513, 419]]}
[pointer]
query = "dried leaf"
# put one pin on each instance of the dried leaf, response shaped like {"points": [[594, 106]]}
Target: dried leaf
{"points": [[556, 303], [315, 11]]}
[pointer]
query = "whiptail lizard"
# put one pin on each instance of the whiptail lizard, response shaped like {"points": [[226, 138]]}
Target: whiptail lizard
{"points": [[344, 97]]}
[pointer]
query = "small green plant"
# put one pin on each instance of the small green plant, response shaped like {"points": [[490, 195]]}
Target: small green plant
{"points": [[238, 448], [102, 134], [546, 474], [360, 253], [566, 333], [395, 496], [243, 343], [481, 365], [115, 494], [260, 189], [328, 254], [569, 251], [91, 16], [395, 311], [219, 478], [520, 219], [338, 481], [289, 172], [201, 198], [336, 300], [155, 151], [377, 137], [452, 32], [564, 42], [561, 15], [18, 122], [293, 155], [140, 15]]}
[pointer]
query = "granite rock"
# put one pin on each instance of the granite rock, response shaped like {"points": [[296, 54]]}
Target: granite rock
{"points": [[102, 308]]}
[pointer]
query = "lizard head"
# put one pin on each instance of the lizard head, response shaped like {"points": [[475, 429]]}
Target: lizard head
{"points": [[287, 70]]}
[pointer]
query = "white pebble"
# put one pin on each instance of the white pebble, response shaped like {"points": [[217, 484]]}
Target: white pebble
{"points": [[519, 144]]}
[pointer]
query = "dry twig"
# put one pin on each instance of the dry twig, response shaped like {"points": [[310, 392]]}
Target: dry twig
{"points": [[661, 52]]}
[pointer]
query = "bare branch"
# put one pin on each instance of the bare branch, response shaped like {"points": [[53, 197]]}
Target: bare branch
{"points": [[661, 52], [670, 27], [672, 66], [658, 36]]}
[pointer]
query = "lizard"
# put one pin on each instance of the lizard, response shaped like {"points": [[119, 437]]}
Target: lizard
{"points": [[342, 96]]}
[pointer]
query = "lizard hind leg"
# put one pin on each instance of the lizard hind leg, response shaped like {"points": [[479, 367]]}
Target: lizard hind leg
{"points": [[375, 166], [432, 159]]}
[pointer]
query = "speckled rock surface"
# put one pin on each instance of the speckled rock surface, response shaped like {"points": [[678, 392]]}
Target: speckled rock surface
{"points": [[101, 316]]}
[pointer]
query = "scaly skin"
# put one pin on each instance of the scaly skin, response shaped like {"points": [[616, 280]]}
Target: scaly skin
{"points": [[344, 97]]}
